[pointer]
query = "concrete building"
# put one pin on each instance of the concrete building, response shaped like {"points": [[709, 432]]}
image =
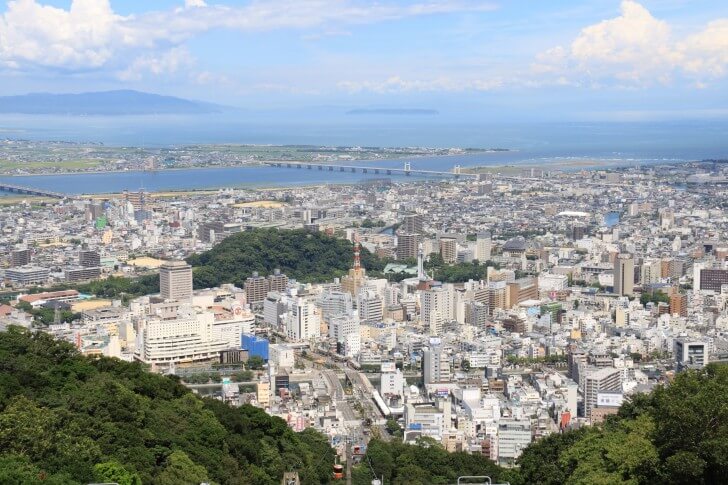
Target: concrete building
{"points": [[436, 308], [27, 275], [598, 380], [302, 322], [407, 246], [413, 224], [689, 354], [256, 288], [436, 363], [624, 275], [89, 259], [713, 279], [175, 280], [449, 249], [513, 437], [483, 246], [20, 257]]}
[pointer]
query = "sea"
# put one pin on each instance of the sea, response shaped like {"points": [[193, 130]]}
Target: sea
{"points": [[545, 144]]}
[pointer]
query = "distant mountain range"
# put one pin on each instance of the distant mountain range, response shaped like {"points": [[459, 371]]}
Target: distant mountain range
{"points": [[123, 102]]}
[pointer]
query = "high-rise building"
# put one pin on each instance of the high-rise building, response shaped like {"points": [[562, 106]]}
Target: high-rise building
{"points": [[597, 380], [413, 224], [175, 280], [497, 295], [483, 247], [577, 231], [20, 257], [89, 259], [436, 363], [407, 245], [182, 336], [651, 271], [689, 354], [679, 304], [624, 275], [277, 281], [256, 288], [302, 322], [436, 308], [371, 307], [334, 303], [448, 249]]}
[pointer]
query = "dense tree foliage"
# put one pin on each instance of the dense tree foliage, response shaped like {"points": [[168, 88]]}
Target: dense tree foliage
{"points": [[678, 434], [66, 419], [426, 462], [303, 255]]}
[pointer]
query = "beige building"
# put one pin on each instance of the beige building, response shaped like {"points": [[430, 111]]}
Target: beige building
{"points": [[175, 280]]}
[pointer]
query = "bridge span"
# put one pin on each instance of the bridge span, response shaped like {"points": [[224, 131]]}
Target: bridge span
{"points": [[21, 189], [407, 170]]}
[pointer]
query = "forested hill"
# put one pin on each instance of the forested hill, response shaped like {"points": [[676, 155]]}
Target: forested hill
{"points": [[67, 419], [305, 256]]}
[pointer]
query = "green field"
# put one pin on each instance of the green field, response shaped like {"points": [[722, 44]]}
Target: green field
{"points": [[80, 164]]}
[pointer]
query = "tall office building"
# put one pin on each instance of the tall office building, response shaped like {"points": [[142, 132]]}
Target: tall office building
{"points": [[448, 249], [20, 257], [89, 259], [483, 247], [407, 245], [175, 280], [413, 224], [624, 275]]}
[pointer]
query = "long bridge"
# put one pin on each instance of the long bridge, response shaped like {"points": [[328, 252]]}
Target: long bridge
{"points": [[21, 189], [406, 170]]}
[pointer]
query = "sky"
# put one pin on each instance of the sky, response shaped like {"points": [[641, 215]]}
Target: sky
{"points": [[497, 59]]}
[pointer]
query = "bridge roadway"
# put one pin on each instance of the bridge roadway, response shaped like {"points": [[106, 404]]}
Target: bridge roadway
{"points": [[375, 170], [20, 189]]}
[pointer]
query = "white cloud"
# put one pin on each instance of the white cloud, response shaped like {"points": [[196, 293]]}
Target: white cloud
{"points": [[89, 35], [167, 62], [636, 48]]}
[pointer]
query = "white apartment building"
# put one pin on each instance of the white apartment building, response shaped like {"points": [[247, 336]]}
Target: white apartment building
{"points": [[302, 321], [436, 308]]}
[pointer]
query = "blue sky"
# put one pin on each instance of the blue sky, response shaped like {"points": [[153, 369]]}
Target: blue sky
{"points": [[510, 59]]}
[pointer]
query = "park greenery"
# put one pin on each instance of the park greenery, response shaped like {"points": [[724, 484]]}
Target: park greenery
{"points": [[70, 419]]}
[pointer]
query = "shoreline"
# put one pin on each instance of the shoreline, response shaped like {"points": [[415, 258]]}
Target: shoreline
{"points": [[262, 163]]}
